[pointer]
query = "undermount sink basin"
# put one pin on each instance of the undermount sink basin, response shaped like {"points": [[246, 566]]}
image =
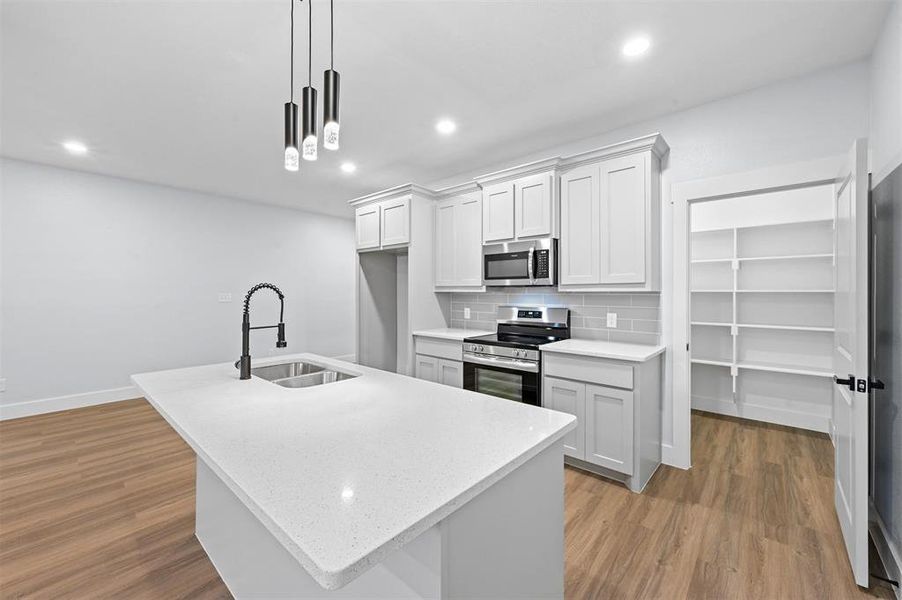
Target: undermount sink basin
{"points": [[311, 379], [299, 374]]}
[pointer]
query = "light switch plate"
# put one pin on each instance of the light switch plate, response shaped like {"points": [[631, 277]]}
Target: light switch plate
{"points": [[466, 312], [612, 320], [225, 296]]}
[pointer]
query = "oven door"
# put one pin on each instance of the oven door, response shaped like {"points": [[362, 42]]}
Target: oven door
{"points": [[503, 378]]}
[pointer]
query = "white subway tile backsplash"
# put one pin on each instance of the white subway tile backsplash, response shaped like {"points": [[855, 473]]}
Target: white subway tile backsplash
{"points": [[638, 315]]}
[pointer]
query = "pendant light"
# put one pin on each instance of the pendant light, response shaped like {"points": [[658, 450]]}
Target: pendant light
{"points": [[291, 112], [331, 81], [308, 119]]}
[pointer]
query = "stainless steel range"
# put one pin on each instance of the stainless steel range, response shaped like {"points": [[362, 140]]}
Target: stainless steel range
{"points": [[508, 364]]}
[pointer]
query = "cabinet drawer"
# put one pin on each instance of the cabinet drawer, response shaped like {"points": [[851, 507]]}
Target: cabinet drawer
{"points": [[449, 349], [591, 370]]}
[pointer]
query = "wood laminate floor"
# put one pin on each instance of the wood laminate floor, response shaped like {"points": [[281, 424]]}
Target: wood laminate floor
{"points": [[99, 503]]}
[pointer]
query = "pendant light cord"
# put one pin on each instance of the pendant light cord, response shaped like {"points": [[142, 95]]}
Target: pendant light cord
{"points": [[310, 43], [332, 35], [291, 45]]}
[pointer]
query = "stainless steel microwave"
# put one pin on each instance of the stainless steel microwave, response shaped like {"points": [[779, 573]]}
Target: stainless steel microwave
{"points": [[532, 262]]}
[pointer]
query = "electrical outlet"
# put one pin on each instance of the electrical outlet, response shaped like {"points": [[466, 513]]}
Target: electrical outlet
{"points": [[466, 312], [612, 320], [225, 296]]}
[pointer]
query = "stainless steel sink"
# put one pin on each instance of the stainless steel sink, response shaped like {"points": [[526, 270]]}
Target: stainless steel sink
{"points": [[312, 379], [283, 370], [300, 374]]}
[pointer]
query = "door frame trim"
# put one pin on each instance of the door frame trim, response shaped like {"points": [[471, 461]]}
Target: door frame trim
{"points": [[683, 195]]}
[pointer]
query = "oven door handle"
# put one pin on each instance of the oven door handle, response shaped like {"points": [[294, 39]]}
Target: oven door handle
{"points": [[504, 363]]}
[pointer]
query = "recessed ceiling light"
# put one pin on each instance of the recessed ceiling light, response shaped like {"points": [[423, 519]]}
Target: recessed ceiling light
{"points": [[636, 46], [75, 147], [446, 126], [348, 167]]}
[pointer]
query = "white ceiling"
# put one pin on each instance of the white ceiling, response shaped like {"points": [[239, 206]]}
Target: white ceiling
{"points": [[190, 93]]}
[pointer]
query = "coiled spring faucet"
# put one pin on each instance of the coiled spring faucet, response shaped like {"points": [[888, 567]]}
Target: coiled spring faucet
{"points": [[244, 363]]}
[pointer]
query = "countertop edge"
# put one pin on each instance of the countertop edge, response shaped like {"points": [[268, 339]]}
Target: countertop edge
{"points": [[335, 579], [653, 352], [441, 334]]}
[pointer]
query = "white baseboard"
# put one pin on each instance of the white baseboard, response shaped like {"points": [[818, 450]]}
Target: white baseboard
{"points": [[889, 553], [49, 405], [669, 457], [812, 422]]}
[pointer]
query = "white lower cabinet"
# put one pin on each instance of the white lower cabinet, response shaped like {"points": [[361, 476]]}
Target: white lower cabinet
{"points": [[439, 360], [609, 428], [426, 368], [451, 372], [568, 397], [618, 408]]}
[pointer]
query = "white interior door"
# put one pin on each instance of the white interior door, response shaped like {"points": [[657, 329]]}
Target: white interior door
{"points": [[850, 358]]}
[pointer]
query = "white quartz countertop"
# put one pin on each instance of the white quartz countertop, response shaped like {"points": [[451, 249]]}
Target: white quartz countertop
{"points": [[603, 349], [451, 333], [344, 473]]}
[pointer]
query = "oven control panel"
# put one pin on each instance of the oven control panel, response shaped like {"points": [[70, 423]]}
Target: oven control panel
{"points": [[502, 351]]}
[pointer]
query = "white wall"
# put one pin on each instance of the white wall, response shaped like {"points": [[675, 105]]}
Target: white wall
{"points": [[797, 120], [886, 97], [106, 277]]}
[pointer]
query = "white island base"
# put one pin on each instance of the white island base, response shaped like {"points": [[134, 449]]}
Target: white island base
{"points": [[507, 542]]}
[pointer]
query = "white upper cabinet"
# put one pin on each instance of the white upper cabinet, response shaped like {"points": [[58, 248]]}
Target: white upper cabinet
{"points": [[458, 243], [498, 213], [383, 224], [533, 206], [580, 258], [520, 203], [611, 218], [367, 221], [624, 211], [396, 222]]}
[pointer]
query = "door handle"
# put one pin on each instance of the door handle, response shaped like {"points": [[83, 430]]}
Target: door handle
{"points": [[850, 382], [875, 384], [530, 270]]}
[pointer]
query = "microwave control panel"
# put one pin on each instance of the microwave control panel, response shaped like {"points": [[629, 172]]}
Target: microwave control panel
{"points": [[541, 264]]}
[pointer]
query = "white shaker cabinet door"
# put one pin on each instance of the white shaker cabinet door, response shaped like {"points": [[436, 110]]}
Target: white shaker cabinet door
{"points": [[533, 206], [624, 210], [396, 222], [451, 372], [580, 258], [609, 428], [468, 234], [367, 222], [445, 242], [426, 367], [498, 213], [568, 397]]}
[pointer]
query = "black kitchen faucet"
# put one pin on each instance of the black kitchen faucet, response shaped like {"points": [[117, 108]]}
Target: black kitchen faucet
{"points": [[244, 363]]}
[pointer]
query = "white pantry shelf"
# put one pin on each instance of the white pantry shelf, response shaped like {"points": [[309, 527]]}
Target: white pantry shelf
{"points": [[760, 342], [716, 363], [786, 257], [785, 327], [777, 368]]}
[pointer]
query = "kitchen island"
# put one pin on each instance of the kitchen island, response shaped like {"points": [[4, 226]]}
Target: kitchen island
{"points": [[378, 486]]}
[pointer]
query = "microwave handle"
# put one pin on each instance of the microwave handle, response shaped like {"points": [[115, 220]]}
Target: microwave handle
{"points": [[530, 270]]}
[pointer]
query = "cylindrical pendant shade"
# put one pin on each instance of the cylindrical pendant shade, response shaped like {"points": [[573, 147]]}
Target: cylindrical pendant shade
{"points": [[331, 89], [291, 136], [308, 121]]}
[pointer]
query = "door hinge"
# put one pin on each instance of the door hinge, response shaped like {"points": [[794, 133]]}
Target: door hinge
{"points": [[687, 347], [849, 382]]}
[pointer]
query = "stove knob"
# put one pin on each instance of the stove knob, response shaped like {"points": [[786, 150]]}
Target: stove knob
{"points": [[482, 348]]}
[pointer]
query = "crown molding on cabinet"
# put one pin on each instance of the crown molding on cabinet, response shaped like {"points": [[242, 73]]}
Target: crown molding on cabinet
{"points": [[406, 189], [467, 187], [531, 168], [653, 142]]}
